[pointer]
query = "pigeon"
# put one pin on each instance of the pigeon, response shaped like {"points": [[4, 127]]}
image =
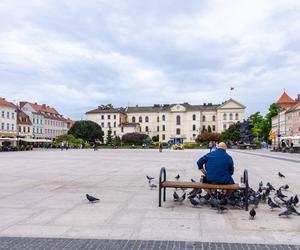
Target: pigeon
{"points": [[182, 198], [192, 180], [177, 177], [194, 202], [149, 178], [152, 186], [272, 204], [260, 184], [286, 213], [295, 200], [285, 187], [293, 210], [175, 196], [270, 186], [279, 194], [281, 175], [252, 214], [91, 198]]}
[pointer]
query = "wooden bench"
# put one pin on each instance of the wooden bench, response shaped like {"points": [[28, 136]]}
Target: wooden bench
{"points": [[164, 184]]}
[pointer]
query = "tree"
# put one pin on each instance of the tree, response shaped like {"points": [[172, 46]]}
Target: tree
{"points": [[116, 141], [155, 138], [134, 138], [206, 137], [232, 133], [109, 137], [86, 130]]}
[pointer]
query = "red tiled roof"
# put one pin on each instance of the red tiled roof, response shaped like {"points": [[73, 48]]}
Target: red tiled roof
{"points": [[40, 108], [292, 108], [285, 98], [6, 103]]}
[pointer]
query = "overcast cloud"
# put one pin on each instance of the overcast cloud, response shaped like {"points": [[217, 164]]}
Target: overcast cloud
{"points": [[75, 55]]}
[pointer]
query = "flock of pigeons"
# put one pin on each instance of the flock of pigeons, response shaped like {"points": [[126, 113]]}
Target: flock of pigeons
{"points": [[219, 199]]}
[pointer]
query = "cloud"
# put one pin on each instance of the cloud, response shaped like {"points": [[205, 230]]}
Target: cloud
{"points": [[75, 56]]}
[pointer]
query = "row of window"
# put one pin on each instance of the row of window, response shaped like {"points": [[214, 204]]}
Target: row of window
{"points": [[231, 117], [109, 124], [8, 127], [194, 128], [108, 117], [24, 129], [8, 115], [54, 131], [54, 123], [37, 130]]}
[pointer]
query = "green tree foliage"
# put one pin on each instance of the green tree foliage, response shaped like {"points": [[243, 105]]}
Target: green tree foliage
{"points": [[206, 137], [109, 137], [262, 125], [86, 130], [209, 129], [155, 138], [232, 133], [134, 138], [116, 141]]}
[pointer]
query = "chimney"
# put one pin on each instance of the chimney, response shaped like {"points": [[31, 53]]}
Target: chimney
{"points": [[298, 98], [35, 103], [44, 106]]}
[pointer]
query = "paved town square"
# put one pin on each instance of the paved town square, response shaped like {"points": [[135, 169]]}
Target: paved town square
{"points": [[43, 195]]}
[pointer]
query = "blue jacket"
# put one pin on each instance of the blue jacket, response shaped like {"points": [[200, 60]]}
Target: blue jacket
{"points": [[218, 166]]}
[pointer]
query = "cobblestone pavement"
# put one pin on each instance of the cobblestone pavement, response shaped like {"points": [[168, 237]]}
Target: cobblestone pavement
{"points": [[55, 243]]}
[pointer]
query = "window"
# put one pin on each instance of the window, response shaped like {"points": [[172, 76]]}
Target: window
{"points": [[178, 131], [237, 116], [20, 129], [33, 130], [224, 126], [33, 120], [3, 114], [194, 117], [157, 128], [164, 117], [2, 126], [115, 124], [28, 129], [13, 115], [157, 119], [230, 117], [163, 136], [108, 124], [133, 119], [140, 119], [7, 126], [194, 127], [203, 128], [178, 120], [203, 118], [224, 117], [214, 118], [163, 128], [102, 117], [7, 115], [146, 129], [214, 128], [24, 129], [122, 129], [115, 133], [146, 119], [115, 116], [108, 117], [13, 127], [102, 124]]}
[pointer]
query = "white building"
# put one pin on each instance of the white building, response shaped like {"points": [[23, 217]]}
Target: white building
{"points": [[182, 121], [8, 122]]}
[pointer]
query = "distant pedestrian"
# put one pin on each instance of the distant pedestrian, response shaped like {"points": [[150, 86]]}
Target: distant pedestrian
{"points": [[210, 146], [95, 146], [160, 147], [62, 146]]}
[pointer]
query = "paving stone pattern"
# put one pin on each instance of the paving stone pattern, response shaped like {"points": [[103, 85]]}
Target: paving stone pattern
{"points": [[60, 243]]}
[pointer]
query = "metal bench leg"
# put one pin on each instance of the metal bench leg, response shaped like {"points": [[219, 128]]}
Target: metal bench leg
{"points": [[162, 178], [164, 194], [159, 196]]}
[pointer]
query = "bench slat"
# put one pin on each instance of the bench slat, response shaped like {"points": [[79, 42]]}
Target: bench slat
{"points": [[180, 184]]}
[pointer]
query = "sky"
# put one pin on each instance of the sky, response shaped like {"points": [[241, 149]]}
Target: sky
{"points": [[75, 55]]}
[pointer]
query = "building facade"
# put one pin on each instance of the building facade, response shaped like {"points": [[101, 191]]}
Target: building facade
{"points": [[24, 125], [8, 122], [287, 122], [170, 121]]}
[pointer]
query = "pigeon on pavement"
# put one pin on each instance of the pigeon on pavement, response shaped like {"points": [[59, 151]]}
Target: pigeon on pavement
{"points": [[177, 177], [285, 187], [272, 204], [194, 202], [281, 175], [175, 196], [152, 186], [252, 214], [149, 178], [295, 200], [91, 198]]}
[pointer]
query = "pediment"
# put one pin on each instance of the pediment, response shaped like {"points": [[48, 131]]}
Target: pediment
{"points": [[232, 104]]}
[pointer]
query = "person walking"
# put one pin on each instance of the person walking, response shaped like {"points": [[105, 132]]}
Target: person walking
{"points": [[210, 146], [160, 147]]}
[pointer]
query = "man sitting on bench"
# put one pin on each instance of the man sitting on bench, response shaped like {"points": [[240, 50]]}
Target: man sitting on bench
{"points": [[218, 166]]}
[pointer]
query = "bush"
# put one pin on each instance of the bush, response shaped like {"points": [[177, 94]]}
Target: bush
{"points": [[190, 145], [134, 138], [206, 137], [155, 138]]}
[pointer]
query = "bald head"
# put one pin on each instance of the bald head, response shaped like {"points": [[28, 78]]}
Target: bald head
{"points": [[222, 145]]}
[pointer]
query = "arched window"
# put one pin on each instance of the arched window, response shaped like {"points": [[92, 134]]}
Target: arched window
{"points": [[214, 118], [224, 117], [115, 124], [178, 131], [194, 127], [230, 116], [194, 117], [203, 118], [163, 128], [157, 128], [133, 119], [163, 117], [237, 116], [178, 120], [146, 119], [140, 119]]}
